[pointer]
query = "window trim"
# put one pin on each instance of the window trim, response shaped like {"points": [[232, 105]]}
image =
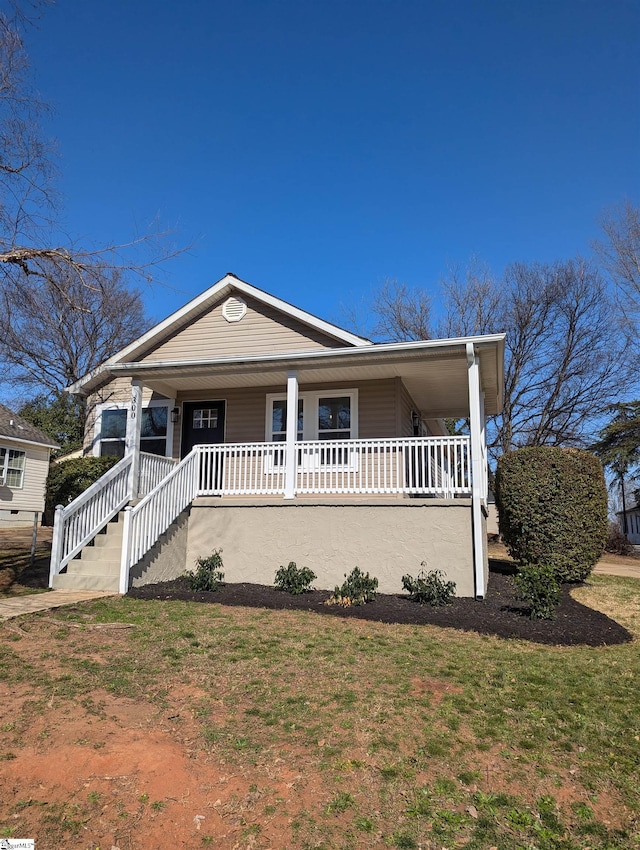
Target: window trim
{"points": [[126, 406], [310, 403], [4, 467]]}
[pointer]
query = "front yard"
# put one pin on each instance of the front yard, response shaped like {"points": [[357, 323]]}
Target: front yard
{"points": [[135, 724]]}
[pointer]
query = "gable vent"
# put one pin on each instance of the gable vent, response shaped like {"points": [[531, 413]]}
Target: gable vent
{"points": [[234, 309]]}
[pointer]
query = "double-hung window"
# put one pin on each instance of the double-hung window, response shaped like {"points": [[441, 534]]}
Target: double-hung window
{"points": [[111, 430], [12, 462]]}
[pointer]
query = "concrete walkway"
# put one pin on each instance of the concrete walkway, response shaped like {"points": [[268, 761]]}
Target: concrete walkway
{"points": [[16, 606], [620, 568]]}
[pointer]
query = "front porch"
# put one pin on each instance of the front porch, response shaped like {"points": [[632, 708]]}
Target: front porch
{"points": [[360, 484]]}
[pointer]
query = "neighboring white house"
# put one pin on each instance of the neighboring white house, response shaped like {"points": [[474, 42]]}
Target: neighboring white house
{"points": [[247, 424], [24, 466], [633, 524]]}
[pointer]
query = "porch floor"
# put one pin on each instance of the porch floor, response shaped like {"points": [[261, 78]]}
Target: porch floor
{"points": [[375, 499]]}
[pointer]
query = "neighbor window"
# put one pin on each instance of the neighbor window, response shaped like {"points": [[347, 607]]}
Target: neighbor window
{"points": [[111, 427], [12, 467]]}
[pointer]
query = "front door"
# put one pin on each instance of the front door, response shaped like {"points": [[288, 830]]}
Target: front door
{"points": [[202, 423]]}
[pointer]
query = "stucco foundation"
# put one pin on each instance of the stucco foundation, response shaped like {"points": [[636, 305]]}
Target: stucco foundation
{"points": [[167, 559], [387, 539]]}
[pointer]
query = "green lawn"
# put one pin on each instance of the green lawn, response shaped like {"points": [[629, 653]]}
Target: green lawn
{"points": [[411, 737]]}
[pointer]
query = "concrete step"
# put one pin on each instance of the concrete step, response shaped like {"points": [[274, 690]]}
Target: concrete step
{"points": [[63, 581], [111, 538], [101, 553], [81, 566]]}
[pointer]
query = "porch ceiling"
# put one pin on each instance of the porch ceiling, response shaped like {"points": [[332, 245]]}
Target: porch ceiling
{"points": [[434, 372]]}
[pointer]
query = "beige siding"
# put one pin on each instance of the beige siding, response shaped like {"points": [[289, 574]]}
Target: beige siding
{"points": [[30, 497], [246, 409], [263, 330]]}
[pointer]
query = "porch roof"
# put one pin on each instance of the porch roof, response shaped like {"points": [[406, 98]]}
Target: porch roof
{"points": [[433, 371]]}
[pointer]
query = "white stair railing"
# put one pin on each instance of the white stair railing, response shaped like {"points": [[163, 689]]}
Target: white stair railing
{"points": [[153, 468], [78, 523], [152, 516]]}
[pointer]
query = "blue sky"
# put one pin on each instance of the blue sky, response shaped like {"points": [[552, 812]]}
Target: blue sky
{"points": [[317, 148]]}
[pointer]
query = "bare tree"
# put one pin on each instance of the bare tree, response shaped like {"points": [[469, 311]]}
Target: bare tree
{"points": [[620, 254], [53, 333], [402, 313], [565, 357], [29, 203]]}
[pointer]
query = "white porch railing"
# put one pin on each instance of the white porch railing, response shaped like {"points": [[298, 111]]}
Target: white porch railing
{"points": [[242, 469], [78, 523], [437, 466]]}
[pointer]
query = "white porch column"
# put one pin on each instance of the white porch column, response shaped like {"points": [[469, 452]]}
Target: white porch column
{"points": [[291, 454], [132, 437], [477, 467]]}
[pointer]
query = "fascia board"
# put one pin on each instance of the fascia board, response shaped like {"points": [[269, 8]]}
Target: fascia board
{"points": [[14, 439], [372, 351]]}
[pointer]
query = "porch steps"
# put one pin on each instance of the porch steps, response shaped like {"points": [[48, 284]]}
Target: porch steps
{"points": [[98, 565]]}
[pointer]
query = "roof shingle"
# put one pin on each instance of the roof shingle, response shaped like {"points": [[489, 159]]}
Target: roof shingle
{"points": [[14, 426]]}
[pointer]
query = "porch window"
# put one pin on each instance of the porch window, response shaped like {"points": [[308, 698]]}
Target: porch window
{"points": [[111, 429], [279, 420], [12, 464], [334, 418], [322, 415]]}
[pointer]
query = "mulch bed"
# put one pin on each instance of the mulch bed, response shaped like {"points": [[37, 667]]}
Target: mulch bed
{"points": [[500, 613]]}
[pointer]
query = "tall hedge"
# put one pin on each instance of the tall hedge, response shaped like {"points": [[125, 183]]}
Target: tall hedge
{"points": [[552, 504], [69, 478]]}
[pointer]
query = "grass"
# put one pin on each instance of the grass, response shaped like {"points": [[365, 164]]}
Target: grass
{"points": [[411, 737]]}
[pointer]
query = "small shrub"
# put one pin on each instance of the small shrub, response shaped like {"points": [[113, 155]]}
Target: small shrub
{"points": [[430, 588], [208, 574], [294, 579], [617, 542], [537, 586], [358, 589]]}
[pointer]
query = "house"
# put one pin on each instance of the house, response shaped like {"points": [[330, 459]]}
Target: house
{"points": [[247, 424], [633, 523], [24, 466]]}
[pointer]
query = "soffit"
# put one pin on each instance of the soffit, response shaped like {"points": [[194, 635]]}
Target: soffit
{"points": [[436, 378]]}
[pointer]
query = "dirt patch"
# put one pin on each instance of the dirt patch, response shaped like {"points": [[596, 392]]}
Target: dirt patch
{"points": [[129, 777], [500, 613]]}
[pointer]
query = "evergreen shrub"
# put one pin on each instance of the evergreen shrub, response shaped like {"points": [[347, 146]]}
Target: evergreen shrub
{"points": [[552, 504], [69, 478], [536, 585]]}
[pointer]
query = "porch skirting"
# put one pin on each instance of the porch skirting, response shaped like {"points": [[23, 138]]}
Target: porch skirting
{"points": [[386, 537]]}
